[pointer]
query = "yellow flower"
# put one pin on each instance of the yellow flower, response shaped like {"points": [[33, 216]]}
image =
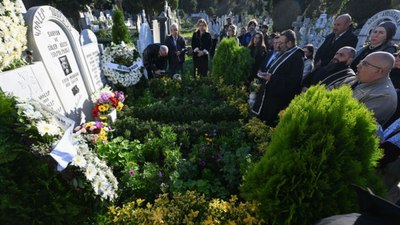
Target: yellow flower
{"points": [[103, 117], [102, 108], [209, 221], [119, 106]]}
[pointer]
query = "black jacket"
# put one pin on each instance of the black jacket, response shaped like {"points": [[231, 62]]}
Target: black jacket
{"points": [[173, 59], [282, 87], [329, 75], [152, 60], [328, 49], [201, 42], [363, 52]]}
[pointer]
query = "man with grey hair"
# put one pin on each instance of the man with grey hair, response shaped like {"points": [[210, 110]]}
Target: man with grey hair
{"points": [[154, 60], [373, 87], [341, 36], [177, 48], [335, 72]]}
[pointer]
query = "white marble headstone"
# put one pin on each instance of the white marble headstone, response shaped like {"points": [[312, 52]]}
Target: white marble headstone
{"points": [[55, 42], [91, 54], [31, 82]]}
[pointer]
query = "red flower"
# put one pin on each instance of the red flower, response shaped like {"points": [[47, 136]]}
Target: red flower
{"points": [[95, 111], [114, 101]]}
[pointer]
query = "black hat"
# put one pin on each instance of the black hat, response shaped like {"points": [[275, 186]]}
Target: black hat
{"points": [[390, 28]]}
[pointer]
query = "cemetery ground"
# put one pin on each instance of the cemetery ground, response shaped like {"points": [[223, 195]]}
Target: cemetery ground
{"points": [[180, 150], [183, 151]]}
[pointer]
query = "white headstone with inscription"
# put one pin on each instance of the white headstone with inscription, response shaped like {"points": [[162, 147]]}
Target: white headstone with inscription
{"points": [[31, 82], [55, 42], [386, 15], [91, 54]]}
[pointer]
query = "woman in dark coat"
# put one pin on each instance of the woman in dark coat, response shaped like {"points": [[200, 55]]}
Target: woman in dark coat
{"points": [[381, 40], [258, 51], [201, 44]]}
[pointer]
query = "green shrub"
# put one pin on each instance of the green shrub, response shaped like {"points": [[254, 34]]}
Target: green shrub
{"points": [[186, 208], [119, 30], [32, 192], [143, 168], [232, 62], [324, 142]]}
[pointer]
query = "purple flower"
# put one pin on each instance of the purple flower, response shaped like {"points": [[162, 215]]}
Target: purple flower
{"points": [[131, 172], [120, 96], [104, 98], [160, 174], [202, 163], [98, 124]]}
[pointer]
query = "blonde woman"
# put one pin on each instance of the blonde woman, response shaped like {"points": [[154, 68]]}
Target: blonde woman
{"points": [[201, 44]]}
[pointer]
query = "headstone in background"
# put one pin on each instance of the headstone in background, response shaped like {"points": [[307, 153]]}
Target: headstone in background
{"points": [[91, 54], [138, 22], [386, 15], [31, 82], [156, 32], [145, 35], [55, 42], [162, 24]]}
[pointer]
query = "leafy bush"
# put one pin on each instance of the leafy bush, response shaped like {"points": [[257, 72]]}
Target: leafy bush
{"points": [[143, 168], [232, 62], [120, 32], [215, 165], [186, 208], [324, 142], [31, 191]]}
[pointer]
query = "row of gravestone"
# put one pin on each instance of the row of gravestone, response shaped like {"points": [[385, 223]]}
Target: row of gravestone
{"points": [[66, 68]]}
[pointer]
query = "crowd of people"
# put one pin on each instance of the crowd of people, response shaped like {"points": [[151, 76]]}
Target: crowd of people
{"points": [[285, 70]]}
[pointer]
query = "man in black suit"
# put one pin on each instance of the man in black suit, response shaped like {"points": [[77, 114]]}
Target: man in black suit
{"points": [[281, 81], [341, 36], [154, 59], [176, 50]]}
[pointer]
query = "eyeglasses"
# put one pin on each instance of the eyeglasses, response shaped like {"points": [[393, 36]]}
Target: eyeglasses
{"points": [[366, 63]]}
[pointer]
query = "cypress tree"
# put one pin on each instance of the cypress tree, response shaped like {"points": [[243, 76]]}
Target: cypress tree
{"points": [[325, 141]]}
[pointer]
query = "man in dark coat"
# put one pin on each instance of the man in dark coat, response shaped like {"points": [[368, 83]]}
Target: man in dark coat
{"points": [[176, 50], [341, 36], [335, 72], [282, 80], [155, 59]]}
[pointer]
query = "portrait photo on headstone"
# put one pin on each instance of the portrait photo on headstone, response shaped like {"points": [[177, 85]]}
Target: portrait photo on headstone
{"points": [[75, 90], [65, 65]]}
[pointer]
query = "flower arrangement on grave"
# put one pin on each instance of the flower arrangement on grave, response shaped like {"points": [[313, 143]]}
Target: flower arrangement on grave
{"points": [[45, 133], [12, 35], [96, 171], [39, 126], [122, 65], [94, 131], [107, 100]]}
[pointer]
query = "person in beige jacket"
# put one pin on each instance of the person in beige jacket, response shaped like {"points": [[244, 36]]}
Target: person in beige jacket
{"points": [[373, 87]]}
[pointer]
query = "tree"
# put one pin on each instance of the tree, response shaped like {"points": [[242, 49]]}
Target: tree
{"points": [[325, 141], [119, 30]]}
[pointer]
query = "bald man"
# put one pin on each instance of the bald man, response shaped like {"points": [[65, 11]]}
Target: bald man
{"points": [[155, 60], [341, 36], [373, 87]]}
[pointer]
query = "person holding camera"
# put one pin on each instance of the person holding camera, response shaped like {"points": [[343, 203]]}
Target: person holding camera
{"points": [[155, 60], [177, 49], [201, 44]]}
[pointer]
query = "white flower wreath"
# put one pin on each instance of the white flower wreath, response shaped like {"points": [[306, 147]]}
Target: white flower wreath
{"points": [[12, 33], [122, 65]]}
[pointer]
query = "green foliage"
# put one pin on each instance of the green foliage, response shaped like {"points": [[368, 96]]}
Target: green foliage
{"points": [[144, 169], [102, 33], [324, 142], [259, 132], [32, 192], [120, 32], [215, 165], [232, 62], [187, 208]]}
